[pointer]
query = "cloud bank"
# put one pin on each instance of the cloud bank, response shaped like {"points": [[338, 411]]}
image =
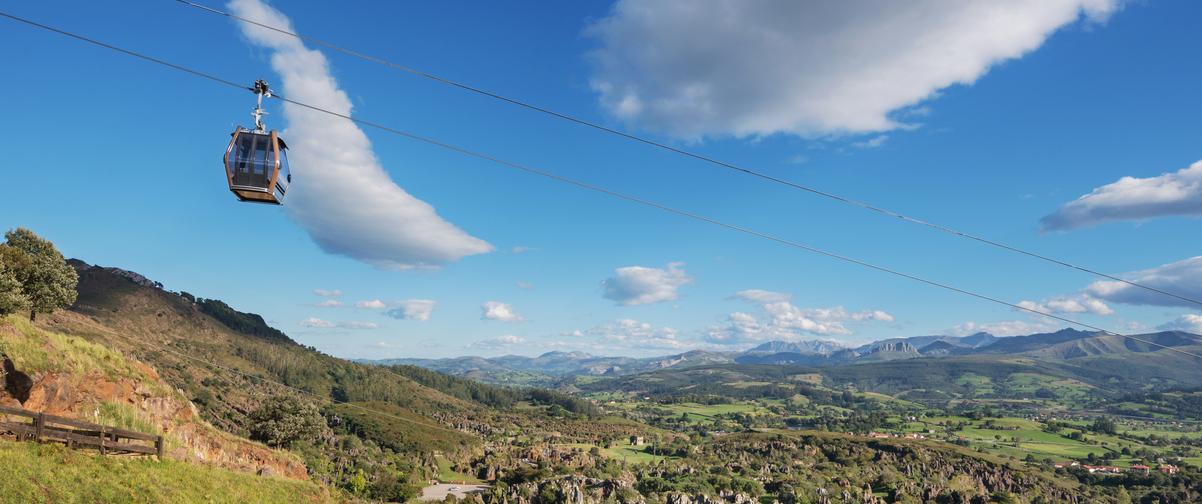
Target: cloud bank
{"points": [[1183, 278], [638, 285], [1189, 322], [498, 343], [1175, 193], [341, 195], [785, 321], [1080, 303], [694, 68]]}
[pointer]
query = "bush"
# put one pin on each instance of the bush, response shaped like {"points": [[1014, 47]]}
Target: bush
{"points": [[283, 420]]}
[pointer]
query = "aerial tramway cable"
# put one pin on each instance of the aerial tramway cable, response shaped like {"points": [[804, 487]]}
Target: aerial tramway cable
{"points": [[692, 154], [619, 195]]}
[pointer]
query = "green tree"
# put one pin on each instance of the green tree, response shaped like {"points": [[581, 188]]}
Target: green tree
{"points": [[46, 278], [12, 298], [283, 420]]}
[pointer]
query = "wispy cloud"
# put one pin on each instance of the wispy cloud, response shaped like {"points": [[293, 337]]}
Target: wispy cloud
{"points": [[316, 323], [340, 193], [1005, 328], [327, 293], [329, 303], [501, 342], [371, 304]]}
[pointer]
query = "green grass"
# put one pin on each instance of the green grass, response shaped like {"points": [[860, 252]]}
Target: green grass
{"points": [[624, 452], [701, 412], [34, 350], [447, 474], [51, 473]]}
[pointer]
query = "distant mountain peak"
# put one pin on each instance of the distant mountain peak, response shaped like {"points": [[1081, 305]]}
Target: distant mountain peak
{"points": [[810, 347]]}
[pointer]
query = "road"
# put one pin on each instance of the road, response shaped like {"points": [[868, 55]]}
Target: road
{"points": [[440, 491]]}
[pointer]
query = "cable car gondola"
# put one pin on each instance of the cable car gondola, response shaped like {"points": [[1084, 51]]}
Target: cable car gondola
{"points": [[256, 162]]}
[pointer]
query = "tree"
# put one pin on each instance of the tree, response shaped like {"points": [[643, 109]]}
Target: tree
{"points": [[46, 278], [12, 298], [283, 420]]}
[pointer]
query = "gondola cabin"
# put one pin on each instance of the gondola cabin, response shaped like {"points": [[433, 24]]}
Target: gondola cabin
{"points": [[256, 164]]}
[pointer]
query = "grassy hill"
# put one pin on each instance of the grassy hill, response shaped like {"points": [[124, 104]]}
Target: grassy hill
{"points": [[51, 473]]}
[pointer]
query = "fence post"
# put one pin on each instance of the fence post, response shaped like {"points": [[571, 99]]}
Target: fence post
{"points": [[158, 446], [39, 426], [103, 437]]}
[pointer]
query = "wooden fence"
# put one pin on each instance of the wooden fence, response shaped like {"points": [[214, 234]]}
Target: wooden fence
{"points": [[78, 434]]}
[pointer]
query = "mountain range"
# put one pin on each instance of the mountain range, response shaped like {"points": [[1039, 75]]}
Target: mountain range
{"points": [[1062, 345]]}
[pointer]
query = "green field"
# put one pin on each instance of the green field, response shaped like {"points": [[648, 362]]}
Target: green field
{"points": [[448, 475], [623, 452]]}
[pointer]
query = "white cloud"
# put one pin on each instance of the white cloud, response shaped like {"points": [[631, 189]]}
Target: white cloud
{"points": [[329, 303], [1176, 193], [873, 142], [694, 68], [785, 321], [371, 304], [762, 296], [496, 310], [327, 293], [1005, 328], [340, 193], [412, 309], [1183, 277], [1080, 303], [500, 342], [635, 335], [1189, 322], [317, 323], [638, 285]]}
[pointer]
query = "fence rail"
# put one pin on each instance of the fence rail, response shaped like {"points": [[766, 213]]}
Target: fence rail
{"points": [[78, 434]]}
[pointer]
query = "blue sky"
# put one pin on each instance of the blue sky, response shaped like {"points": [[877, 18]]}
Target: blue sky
{"points": [[985, 127]]}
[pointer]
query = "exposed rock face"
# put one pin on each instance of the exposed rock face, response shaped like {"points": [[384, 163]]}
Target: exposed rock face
{"points": [[80, 394], [16, 383], [130, 275], [187, 437]]}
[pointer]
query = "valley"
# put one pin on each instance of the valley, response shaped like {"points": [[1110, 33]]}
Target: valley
{"points": [[1029, 423]]}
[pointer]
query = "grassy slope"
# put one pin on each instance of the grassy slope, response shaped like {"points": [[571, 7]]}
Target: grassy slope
{"points": [[51, 473], [143, 322]]}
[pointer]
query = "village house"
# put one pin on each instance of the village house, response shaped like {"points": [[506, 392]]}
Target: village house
{"points": [[636, 440], [1103, 469], [1167, 468]]}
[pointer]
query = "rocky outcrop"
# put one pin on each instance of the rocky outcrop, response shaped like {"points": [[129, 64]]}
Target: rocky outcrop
{"points": [[83, 381]]}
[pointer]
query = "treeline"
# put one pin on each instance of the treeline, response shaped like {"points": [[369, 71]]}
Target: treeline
{"points": [[494, 396], [246, 323]]}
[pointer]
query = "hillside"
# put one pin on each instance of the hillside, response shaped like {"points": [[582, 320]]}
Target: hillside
{"points": [[212, 360], [80, 379], [81, 477]]}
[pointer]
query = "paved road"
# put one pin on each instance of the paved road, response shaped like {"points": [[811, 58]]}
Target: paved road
{"points": [[440, 491]]}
